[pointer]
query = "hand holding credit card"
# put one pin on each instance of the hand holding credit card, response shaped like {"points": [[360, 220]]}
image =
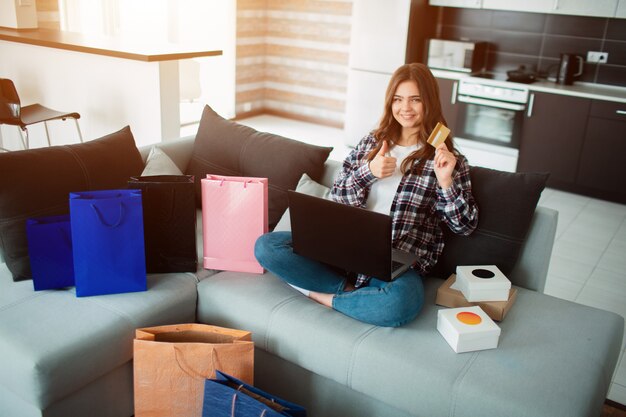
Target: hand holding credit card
{"points": [[438, 135]]}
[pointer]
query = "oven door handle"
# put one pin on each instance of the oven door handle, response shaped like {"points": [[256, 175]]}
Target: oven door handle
{"points": [[491, 103]]}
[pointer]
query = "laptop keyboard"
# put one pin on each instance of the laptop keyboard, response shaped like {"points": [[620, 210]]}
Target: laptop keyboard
{"points": [[395, 265]]}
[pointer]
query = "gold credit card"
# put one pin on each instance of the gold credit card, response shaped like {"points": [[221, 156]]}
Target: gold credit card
{"points": [[439, 135]]}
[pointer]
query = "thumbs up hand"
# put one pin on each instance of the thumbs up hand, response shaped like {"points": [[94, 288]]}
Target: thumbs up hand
{"points": [[382, 165]]}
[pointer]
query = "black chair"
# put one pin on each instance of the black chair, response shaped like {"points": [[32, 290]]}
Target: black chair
{"points": [[12, 113]]}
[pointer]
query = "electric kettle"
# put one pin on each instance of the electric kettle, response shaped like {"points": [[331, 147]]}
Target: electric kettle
{"points": [[570, 68]]}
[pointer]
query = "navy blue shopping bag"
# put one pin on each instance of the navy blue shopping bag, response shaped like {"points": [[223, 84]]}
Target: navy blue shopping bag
{"points": [[50, 252], [226, 396], [107, 235]]}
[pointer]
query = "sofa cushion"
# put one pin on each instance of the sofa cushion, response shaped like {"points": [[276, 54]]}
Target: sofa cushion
{"points": [[307, 186], [158, 163], [223, 147], [37, 182], [506, 203], [552, 359], [501, 196], [53, 343]]}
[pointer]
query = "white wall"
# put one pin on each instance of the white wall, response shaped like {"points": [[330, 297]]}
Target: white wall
{"points": [[108, 92], [215, 20], [18, 14], [8, 16]]}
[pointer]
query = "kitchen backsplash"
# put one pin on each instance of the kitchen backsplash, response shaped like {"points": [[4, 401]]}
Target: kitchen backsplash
{"points": [[536, 40]]}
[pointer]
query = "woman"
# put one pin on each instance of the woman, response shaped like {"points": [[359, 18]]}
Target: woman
{"points": [[393, 170]]}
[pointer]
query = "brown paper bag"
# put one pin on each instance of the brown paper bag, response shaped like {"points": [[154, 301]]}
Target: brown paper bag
{"points": [[172, 362]]}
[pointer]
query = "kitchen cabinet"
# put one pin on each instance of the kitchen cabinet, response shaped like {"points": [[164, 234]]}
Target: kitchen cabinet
{"points": [[621, 9], [364, 104], [601, 168], [598, 8], [538, 6], [580, 141], [373, 45], [447, 94], [472, 4], [375, 53], [552, 138], [384, 36]]}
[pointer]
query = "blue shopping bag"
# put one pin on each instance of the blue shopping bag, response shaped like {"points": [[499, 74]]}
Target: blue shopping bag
{"points": [[107, 235], [50, 252], [226, 396]]}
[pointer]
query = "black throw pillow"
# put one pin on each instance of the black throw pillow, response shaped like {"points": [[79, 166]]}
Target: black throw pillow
{"points": [[506, 203], [37, 183], [223, 147]]}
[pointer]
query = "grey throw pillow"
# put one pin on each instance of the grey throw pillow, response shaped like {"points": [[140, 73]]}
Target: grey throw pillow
{"points": [[307, 186], [158, 163], [224, 147]]}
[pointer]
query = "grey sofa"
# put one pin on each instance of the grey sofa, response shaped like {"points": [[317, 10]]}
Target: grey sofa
{"points": [[67, 356]]}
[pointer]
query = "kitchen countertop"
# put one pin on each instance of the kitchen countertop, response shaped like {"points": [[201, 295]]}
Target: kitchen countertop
{"points": [[578, 89], [107, 46]]}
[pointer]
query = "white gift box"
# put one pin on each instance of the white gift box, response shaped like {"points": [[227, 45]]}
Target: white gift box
{"points": [[482, 283], [467, 329]]}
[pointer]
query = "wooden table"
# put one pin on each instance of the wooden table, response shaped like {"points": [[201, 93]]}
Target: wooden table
{"points": [[111, 82]]}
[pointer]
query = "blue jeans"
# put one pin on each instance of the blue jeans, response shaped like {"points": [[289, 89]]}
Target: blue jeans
{"points": [[382, 303]]}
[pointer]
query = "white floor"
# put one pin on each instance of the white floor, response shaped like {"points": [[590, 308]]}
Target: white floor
{"points": [[589, 256]]}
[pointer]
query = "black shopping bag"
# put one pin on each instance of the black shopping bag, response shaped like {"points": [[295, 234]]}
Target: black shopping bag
{"points": [[169, 216]]}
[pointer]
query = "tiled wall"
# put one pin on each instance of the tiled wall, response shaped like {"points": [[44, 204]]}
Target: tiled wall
{"points": [[535, 39], [292, 58]]}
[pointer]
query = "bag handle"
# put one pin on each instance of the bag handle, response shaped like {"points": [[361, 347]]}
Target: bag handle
{"points": [[268, 402], [232, 407], [101, 218], [245, 182], [184, 366]]}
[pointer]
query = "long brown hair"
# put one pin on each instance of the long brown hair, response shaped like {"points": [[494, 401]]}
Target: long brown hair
{"points": [[390, 130]]}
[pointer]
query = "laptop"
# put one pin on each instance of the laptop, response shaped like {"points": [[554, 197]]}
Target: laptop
{"points": [[350, 238]]}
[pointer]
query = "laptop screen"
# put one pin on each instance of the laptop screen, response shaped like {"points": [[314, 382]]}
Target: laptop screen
{"points": [[351, 238]]}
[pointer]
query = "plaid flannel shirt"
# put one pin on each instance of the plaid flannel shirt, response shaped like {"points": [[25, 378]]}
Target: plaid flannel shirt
{"points": [[419, 207]]}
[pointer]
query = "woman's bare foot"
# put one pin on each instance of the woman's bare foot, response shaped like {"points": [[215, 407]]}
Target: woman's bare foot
{"points": [[322, 298], [327, 299]]}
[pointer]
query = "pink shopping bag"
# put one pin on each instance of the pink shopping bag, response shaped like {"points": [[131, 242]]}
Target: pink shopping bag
{"points": [[234, 215]]}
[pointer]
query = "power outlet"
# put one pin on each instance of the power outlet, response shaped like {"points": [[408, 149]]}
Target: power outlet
{"points": [[597, 57]]}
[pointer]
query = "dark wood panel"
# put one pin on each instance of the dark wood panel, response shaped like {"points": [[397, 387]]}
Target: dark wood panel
{"points": [[602, 157], [552, 137]]}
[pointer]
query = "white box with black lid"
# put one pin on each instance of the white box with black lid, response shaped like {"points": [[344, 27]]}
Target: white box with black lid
{"points": [[482, 283]]}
